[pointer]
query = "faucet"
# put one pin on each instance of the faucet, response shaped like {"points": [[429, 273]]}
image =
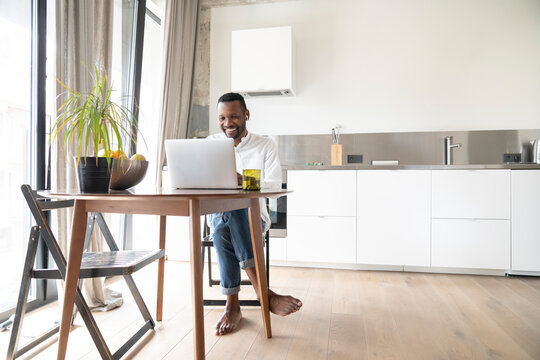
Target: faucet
{"points": [[448, 146]]}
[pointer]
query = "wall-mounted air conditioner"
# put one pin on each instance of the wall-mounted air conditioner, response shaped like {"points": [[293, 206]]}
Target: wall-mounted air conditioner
{"points": [[262, 62]]}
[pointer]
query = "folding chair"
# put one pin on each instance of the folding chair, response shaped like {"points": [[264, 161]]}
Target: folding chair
{"points": [[93, 264], [208, 242]]}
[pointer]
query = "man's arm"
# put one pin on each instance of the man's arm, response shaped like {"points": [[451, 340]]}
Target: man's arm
{"points": [[272, 168]]}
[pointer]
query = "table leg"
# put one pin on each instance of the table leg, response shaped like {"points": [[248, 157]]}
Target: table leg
{"points": [[161, 268], [257, 241], [78, 230], [196, 278]]}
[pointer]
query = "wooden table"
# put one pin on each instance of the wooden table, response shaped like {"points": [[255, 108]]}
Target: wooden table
{"points": [[165, 202]]}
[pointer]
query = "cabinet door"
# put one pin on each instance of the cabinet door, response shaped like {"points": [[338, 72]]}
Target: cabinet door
{"points": [[393, 217], [474, 244], [473, 194], [177, 238], [322, 192], [322, 239], [526, 220], [278, 250]]}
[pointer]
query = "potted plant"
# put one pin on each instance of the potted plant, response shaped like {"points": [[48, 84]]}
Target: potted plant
{"points": [[96, 127]]}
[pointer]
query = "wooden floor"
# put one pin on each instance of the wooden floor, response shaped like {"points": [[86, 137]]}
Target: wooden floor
{"points": [[346, 315]]}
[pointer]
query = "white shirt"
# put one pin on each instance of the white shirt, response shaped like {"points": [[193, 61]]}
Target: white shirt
{"points": [[258, 152]]}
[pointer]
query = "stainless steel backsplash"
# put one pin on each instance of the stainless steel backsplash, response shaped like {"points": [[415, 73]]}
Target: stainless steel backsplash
{"points": [[410, 148]]}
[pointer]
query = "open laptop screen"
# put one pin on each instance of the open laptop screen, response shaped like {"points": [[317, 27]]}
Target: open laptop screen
{"points": [[201, 163]]}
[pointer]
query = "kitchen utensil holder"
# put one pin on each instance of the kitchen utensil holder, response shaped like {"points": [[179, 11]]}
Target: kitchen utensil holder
{"points": [[336, 155]]}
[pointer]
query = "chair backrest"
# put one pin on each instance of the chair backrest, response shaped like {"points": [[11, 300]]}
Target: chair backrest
{"points": [[37, 205]]}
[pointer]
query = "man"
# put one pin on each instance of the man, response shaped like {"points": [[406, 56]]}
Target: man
{"points": [[230, 230]]}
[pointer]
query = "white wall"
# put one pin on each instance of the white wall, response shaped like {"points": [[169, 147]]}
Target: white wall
{"points": [[393, 65]]}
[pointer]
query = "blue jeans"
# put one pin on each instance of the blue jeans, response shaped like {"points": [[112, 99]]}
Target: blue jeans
{"points": [[232, 241]]}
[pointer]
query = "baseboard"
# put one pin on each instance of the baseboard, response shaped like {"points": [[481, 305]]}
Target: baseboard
{"points": [[464, 271]]}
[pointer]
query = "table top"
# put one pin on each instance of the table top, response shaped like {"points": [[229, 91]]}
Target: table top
{"points": [[165, 193]]}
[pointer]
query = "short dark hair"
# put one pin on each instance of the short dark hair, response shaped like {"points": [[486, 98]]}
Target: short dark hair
{"points": [[228, 97]]}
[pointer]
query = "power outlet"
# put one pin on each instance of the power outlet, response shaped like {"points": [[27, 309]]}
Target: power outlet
{"points": [[512, 158], [355, 159]]}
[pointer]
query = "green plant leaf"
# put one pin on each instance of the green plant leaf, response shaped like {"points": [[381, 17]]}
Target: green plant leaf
{"points": [[93, 120]]}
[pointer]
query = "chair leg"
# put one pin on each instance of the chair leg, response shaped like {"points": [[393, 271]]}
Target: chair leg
{"points": [[139, 300], [91, 325], [20, 311], [202, 256], [128, 278], [211, 281], [23, 293], [267, 243], [85, 310], [89, 229]]}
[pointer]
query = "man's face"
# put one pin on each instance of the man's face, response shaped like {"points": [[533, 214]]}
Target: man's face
{"points": [[232, 120]]}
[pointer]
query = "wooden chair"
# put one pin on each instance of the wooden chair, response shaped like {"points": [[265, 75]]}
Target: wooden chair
{"points": [[94, 264]]}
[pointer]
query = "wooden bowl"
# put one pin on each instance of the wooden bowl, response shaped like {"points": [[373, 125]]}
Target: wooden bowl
{"points": [[127, 173]]}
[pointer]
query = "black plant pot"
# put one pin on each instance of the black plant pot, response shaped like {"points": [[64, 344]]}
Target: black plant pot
{"points": [[94, 178]]}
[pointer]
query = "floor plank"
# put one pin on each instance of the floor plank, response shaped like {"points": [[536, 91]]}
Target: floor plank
{"points": [[382, 337], [312, 333], [444, 322], [284, 281], [533, 282], [347, 338], [411, 319], [497, 345], [500, 313]]}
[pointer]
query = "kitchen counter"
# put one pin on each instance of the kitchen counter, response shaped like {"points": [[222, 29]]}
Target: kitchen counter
{"points": [[512, 166]]}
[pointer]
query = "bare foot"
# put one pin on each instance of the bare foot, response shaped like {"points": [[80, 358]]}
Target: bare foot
{"points": [[229, 321], [283, 305]]}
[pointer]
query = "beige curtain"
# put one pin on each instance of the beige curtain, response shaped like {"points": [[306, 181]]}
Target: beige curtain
{"points": [[83, 40], [180, 30]]}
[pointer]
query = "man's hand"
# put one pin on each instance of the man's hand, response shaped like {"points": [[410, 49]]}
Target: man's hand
{"points": [[239, 178]]}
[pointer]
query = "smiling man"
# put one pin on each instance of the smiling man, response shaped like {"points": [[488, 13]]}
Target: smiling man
{"points": [[230, 230]]}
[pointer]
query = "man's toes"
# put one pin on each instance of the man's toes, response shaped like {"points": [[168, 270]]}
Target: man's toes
{"points": [[220, 328], [225, 329]]}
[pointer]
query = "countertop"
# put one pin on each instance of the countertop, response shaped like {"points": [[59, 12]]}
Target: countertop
{"points": [[512, 166]]}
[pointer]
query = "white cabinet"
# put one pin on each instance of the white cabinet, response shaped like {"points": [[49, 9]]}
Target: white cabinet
{"points": [[470, 225], [323, 239], [476, 194], [322, 192], [470, 219], [471, 243], [321, 216], [278, 250], [526, 220], [177, 238], [393, 217]]}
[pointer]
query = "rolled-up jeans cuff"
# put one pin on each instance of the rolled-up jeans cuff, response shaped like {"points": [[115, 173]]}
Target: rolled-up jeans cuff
{"points": [[230, 291], [247, 264]]}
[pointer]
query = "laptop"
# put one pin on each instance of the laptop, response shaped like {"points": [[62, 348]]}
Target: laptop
{"points": [[201, 163]]}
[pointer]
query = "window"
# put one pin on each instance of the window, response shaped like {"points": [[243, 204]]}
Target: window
{"points": [[16, 145], [20, 135]]}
